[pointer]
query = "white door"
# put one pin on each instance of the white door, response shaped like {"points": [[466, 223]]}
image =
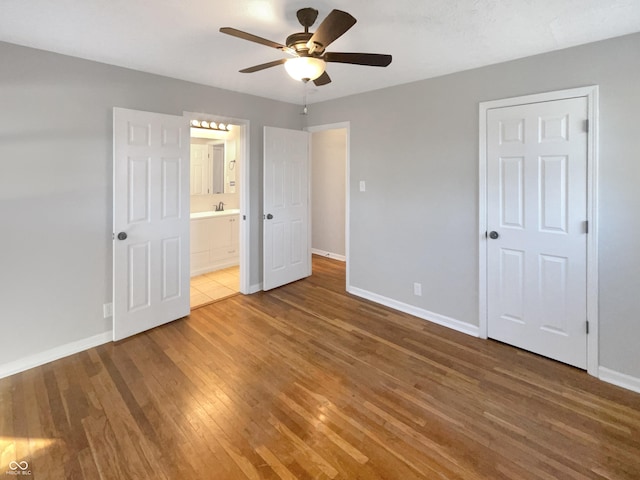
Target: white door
{"points": [[150, 220], [536, 217], [287, 253]]}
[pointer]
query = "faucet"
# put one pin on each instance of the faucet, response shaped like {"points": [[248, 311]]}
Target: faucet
{"points": [[219, 207]]}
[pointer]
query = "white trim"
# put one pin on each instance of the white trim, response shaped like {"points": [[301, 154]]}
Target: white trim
{"points": [[244, 146], [323, 253], [591, 93], [56, 353], [593, 360], [347, 183], [233, 262], [620, 379], [255, 288], [416, 312]]}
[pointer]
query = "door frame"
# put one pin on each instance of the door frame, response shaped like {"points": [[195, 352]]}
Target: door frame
{"points": [[244, 149], [347, 206], [591, 94]]}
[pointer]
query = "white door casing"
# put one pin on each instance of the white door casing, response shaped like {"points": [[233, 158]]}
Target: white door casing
{"points": [[539, 208], [150, 206], [287, 249]]}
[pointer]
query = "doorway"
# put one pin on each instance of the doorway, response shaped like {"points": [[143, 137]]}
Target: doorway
{"points": [[218, 266], [538, 268], [329, 191]]}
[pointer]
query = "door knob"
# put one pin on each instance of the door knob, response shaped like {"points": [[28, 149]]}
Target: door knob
{"points": [[269, 216], [122, 236], [494, 235]]}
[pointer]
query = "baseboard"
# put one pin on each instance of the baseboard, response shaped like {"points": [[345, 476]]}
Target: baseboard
{"points": [[620, 379], [256, 287], [324, 253], [56, 353], [417, 312], [214, 268]]}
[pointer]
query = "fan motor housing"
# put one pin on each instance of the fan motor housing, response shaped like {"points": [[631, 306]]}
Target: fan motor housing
{"points": [[298, 41]]}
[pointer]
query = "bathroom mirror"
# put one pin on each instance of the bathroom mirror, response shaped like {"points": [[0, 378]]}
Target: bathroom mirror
{"points": [[213, 165], [216, 161]]}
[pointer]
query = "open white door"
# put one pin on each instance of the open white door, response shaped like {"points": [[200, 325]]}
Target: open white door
{"points": [[287, 250], [150, 220]]}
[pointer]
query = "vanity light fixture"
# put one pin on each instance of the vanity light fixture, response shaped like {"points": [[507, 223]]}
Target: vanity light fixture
{"points": [[221, 127]]}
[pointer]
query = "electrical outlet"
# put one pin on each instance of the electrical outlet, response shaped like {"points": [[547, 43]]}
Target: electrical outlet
{"points": [[107, 310], [417, 289], [363, 186]]}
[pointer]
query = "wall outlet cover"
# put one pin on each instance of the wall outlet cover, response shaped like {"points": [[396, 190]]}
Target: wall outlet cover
{"points": [[417, 289], [107, 310]]}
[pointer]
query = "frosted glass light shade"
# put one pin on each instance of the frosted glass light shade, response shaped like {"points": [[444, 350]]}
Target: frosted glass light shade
{"points": [[305, 68]]}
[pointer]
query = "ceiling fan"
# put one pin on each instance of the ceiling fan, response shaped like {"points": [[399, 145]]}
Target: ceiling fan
{"points": [[308, 50]]}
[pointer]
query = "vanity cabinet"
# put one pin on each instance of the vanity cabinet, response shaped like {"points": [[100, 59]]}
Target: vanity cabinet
{"points": [[214, 243]]}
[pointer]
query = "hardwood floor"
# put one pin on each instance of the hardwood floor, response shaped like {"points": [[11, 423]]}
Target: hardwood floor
{"points": [[307, 382]]}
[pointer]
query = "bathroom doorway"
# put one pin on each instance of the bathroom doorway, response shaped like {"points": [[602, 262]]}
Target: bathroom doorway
{"points": [[217, 162]]}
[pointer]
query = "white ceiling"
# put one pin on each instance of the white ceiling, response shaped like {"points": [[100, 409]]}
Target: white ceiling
{"points": [[427, 38]]}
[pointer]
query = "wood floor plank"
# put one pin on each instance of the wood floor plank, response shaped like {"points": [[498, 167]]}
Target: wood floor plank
{"points": [[308, 382]]}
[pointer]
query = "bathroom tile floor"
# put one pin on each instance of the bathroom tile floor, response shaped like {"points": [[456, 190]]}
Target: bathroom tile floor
{"points": [[214, 286]]}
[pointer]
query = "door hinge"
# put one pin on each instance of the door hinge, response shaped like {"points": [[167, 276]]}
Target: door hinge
{"points": [[586, 125], [586, 226], [587, 326], [244, 217]]}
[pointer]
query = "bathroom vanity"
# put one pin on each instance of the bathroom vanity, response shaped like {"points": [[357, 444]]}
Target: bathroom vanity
{"points": [[214, 241]]}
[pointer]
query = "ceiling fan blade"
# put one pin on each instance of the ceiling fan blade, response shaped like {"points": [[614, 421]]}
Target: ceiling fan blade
{"points": [[370, 59], [322, 79], [331, 28], [252, 38], [257, 68]]}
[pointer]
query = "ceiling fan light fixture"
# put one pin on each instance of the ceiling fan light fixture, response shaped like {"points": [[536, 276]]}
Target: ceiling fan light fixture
{"points": [[305, 68]]}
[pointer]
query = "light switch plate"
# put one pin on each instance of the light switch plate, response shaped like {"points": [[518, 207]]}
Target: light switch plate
{"points": [[363, 186]]}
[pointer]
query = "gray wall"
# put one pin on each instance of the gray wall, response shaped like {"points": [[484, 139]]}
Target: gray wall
{"points": [[328, 178], [416, 146], [56, 186]]}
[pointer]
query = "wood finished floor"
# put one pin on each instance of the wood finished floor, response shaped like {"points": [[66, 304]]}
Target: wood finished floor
{"points": [[307, 382]]}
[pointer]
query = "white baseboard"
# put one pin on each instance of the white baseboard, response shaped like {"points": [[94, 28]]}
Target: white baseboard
{"points": [[256, 287], [323, 253], [56, 353], [620, 379], [452, 323]]}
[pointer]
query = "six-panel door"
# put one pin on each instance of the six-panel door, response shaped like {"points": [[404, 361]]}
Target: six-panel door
{"points": [[537, 207], [150, 219]]}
